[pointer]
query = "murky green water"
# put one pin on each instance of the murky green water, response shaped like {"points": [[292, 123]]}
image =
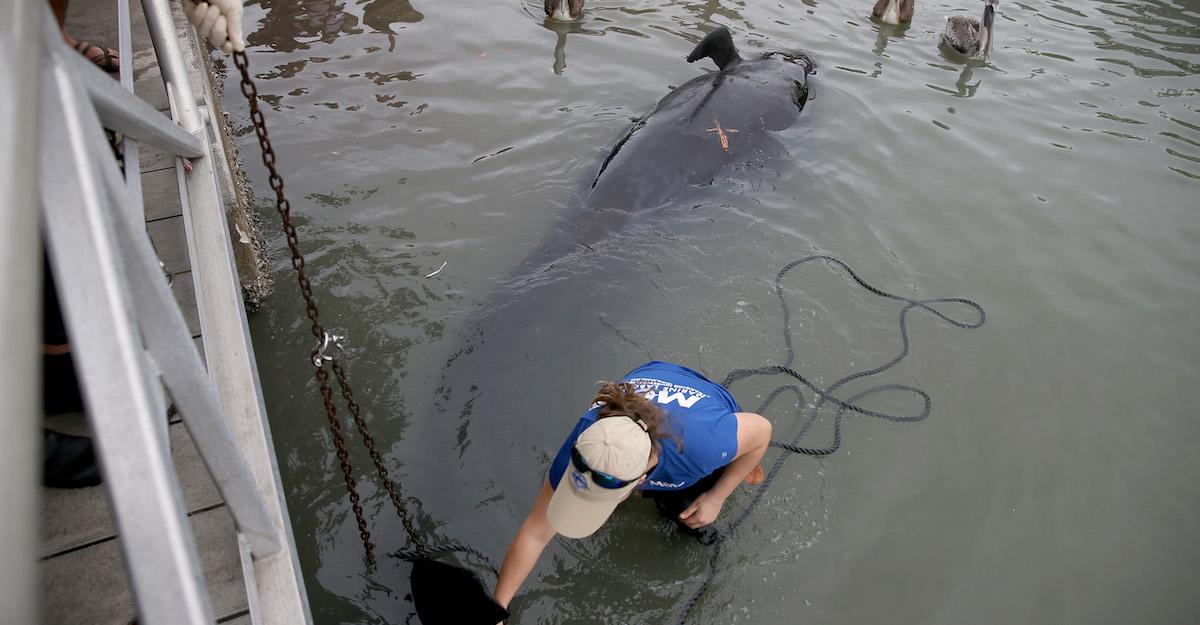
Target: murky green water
{"points": [[1056, 479]]}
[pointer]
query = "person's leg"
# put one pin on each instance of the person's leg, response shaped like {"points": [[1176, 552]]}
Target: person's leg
{"points": [[672, 503], [60, 11], [60, 386], [106, 58], [68, 461]]}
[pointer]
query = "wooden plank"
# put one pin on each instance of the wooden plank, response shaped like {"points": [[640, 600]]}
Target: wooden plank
{"points": [[185, 295], [160, 194], [72, 518], [153, 159], [171, 243], [199, 343], [90, 586], [148, 85]]}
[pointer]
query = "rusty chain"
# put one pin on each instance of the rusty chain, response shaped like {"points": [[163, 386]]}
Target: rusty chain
{"points": [[393, 489], [285, 210]]}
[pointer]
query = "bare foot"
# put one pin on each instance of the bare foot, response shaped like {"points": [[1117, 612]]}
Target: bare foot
{"points": [[756, 476]]}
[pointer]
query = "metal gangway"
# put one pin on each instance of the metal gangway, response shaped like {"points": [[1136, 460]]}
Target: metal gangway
{"points": [[131, 346]]}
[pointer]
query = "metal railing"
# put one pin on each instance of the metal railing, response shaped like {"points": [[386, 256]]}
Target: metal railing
{"points": [[129, 339], [19, 289]]}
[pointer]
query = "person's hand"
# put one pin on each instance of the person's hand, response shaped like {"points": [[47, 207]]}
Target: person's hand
{"points": [[704, 510], [218, 21]]}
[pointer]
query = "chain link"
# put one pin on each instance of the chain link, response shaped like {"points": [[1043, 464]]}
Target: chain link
{"points": [[392, 487], [339, 441], [293, 241]]}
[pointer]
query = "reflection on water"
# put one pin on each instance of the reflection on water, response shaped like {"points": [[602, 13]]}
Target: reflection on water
{"points": [[886, 33], [596, 21], [963, 88], [289, 23], [702, 13], [381, 14], [1055, 184], [561, 30]]}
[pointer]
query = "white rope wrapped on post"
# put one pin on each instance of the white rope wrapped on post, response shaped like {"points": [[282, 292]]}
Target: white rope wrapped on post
{"points": [[218, 21]]}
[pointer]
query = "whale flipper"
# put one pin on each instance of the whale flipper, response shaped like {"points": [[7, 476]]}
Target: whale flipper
{"points": [[718, 46]]}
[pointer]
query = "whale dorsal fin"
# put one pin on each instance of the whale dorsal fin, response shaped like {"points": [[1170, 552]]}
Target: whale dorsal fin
{"points": [[718, 46]]}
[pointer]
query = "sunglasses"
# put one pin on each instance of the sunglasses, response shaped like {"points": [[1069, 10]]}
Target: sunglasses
{"points": [[602, 479]]}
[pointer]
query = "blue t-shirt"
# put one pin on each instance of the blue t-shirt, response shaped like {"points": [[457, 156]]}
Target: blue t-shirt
{"points": [[700, 415]]}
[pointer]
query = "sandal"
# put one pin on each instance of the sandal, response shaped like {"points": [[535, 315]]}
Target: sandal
{"points": [[107, 61]]}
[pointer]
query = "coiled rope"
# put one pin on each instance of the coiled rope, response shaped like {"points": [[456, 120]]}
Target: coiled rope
{"points": [[826, 396]]}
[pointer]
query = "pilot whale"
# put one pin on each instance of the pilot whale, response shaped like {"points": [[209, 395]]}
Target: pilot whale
{"points": [[705, 128], [704, 125], [701, 131]]}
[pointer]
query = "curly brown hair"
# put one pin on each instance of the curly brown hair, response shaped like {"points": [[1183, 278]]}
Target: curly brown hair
{"points": [[620, 398]]}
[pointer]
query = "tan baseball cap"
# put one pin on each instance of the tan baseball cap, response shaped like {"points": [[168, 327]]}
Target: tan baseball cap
{"points": [[616, 445]]}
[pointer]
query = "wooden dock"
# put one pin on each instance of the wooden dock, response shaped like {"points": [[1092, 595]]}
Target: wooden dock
{"points": [[84, 577]]}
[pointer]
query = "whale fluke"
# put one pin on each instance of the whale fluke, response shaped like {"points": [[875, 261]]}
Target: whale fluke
{"points": [[718, 46]]}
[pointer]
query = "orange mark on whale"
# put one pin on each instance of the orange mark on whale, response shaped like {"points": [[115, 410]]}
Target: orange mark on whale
{"points": [[722, 133]]}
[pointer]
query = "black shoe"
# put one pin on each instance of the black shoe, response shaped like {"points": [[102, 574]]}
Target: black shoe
{"points": [[60, 386], [68, 461]]}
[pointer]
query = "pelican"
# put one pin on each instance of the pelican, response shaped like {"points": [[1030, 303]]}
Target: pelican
{"points": [[893, 11], [970, 36], [564, 10]]}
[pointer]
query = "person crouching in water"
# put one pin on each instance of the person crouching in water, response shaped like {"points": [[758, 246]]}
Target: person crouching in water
{"points": [[664, 428]]}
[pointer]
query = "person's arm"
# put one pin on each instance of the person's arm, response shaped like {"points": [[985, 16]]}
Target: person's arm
{"points": [[526, 548], [754, 435]]}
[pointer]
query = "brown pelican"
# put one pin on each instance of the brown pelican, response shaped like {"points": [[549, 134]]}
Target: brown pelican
{"points": [[564, 10], [970, 36], [893, 11]]}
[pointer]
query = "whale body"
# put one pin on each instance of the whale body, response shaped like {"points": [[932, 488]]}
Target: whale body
{"points": [[704, 129], [703, 126]]}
